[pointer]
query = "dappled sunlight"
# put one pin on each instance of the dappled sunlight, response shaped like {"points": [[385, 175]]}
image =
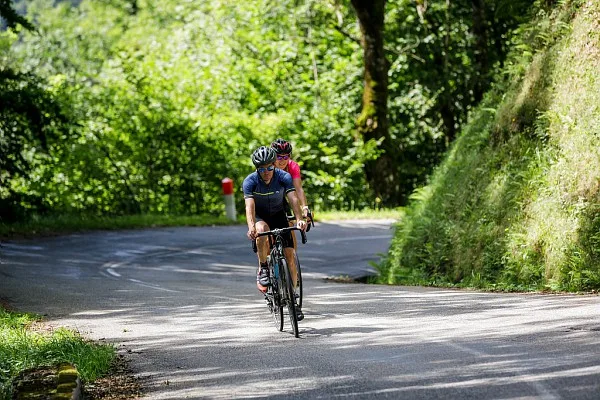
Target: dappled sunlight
{"points": [[100, 313], [502, 374], [503, 365], [285, 382], [398, 313], [193, 325]]}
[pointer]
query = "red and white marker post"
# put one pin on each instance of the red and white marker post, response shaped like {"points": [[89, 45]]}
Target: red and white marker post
{"points": [[227, 184]]}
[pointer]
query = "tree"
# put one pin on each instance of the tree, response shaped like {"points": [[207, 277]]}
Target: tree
{"points": [[11, 17], [372, 123]]}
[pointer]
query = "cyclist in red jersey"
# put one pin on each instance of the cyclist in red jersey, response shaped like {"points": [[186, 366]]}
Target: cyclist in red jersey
{"points": [[283, 148]]}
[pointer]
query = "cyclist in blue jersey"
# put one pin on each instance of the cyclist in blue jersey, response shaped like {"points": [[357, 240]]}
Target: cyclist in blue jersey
{"points": [[264, 192]]}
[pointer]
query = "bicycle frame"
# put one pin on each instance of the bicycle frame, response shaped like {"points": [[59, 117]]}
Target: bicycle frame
{"points": [[278, 233]]}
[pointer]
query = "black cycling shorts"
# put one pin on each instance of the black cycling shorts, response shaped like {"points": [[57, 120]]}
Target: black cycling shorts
{"points": [[278, 220]]}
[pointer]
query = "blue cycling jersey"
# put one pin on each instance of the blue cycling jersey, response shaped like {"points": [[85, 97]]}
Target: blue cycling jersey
{"points": [[268, 199]]}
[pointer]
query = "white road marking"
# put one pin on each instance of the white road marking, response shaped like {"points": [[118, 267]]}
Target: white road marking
{"points": [[113, 273], [142, 283]]}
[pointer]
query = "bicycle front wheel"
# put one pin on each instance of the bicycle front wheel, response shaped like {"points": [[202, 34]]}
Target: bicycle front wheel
{"points": [[275, 302], [277, 312], [289, 297]]}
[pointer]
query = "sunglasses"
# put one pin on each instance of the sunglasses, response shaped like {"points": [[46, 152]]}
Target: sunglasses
{"points": [[283, 157], [262, 170]]}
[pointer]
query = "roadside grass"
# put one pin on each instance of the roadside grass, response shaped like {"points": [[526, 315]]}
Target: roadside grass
{"points": [[395, 213], [61, 224], [22, 347]]}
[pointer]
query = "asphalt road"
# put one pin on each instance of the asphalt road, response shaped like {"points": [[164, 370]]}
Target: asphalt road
{"points": [[183, 305]]}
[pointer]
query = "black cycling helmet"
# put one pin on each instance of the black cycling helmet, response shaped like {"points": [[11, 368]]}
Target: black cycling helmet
{"points": [[282, 146], [263, 155]]}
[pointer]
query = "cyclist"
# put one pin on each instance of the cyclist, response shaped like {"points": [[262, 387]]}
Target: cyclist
{"points": [[283, 148], [264, 192]]}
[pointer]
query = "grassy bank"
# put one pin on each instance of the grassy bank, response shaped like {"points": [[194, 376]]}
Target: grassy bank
{"points": [[516, 203], [22, 347], [395, 214]]}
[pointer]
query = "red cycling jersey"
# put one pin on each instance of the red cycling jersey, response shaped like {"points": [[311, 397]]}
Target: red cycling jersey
{"points": [[293, 169]]}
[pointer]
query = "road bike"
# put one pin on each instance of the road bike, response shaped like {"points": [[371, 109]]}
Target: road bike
{"points": [[280, 293]]}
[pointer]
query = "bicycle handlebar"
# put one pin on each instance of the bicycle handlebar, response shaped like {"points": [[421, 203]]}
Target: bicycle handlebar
{"points": [[274, 232], [310, 216]]}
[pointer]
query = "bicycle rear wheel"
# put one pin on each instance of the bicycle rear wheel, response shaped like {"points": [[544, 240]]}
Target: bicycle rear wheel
{"points": [[288, 295], [299, 291]]}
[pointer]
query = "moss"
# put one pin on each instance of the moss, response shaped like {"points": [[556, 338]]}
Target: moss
{"points": [[46, 382]]}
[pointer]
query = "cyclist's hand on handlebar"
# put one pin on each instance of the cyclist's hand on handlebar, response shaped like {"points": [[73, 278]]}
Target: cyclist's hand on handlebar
{"points": [[301, 224], [305, 211], [307, 214], [252, 234]]}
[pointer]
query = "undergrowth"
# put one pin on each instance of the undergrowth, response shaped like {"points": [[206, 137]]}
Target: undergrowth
{"points": [[516, 203]]}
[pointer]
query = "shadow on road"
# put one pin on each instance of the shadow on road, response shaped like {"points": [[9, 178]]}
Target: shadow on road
{"points": [[184, 305]]}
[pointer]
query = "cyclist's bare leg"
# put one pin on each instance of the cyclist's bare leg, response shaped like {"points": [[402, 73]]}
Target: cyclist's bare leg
{"points": [[262, 242]]}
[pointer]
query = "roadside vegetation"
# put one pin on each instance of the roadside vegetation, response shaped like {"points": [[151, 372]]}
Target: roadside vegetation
{"points": [[384, 213], [51, 225], [56, 225], [26, 344], [515, 205]]}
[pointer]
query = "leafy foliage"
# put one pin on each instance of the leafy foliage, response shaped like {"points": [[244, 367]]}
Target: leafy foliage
{"points": [[31, 120], [443, 56], [170, 99], [160, 100], [514, 205], [10, 16]]}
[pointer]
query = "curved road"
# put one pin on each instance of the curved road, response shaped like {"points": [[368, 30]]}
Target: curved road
{"points": [[182, 304]]}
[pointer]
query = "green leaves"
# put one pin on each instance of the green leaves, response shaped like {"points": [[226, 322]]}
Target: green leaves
{"points": [[11, 17], [148, 107], [167, 100]]}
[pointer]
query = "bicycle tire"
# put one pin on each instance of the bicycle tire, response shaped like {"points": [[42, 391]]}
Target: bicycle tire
{"points": [[288, 294], [275, 302], [299, 287], [277, 312]]}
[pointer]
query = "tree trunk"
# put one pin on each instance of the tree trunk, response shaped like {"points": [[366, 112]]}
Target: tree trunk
{"points": [[372, 123], [480, 32]]}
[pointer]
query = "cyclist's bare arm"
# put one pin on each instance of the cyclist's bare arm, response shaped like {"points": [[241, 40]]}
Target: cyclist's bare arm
{"points": [[250, 219], [293, 200], [301, 196]]}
